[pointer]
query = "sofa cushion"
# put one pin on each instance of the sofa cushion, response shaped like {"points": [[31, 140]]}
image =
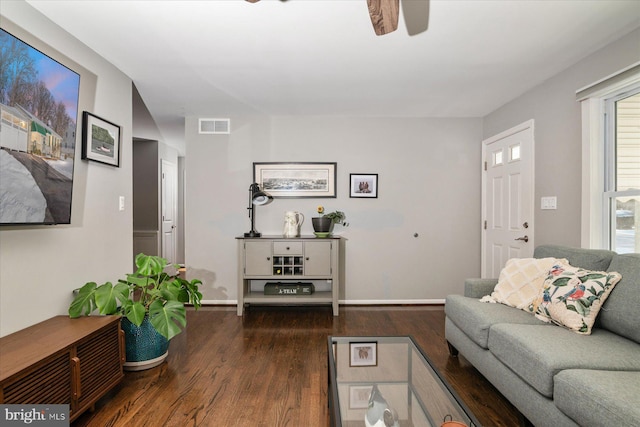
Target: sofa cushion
{"points": [[590, 259], [572, 297], [620, 312], [521, 281], [537, 353], [599, 398], [475, 317]]}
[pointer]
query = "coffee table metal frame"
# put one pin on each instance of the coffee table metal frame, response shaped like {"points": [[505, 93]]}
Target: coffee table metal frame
{"points": [[426, 386]]}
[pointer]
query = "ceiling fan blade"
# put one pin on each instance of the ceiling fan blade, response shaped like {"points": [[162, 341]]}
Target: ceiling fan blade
{"points": [[416, 15], [384, 15]]}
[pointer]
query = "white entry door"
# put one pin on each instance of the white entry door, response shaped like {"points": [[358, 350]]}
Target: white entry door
{"points": [[169, 210], [507, 198]]}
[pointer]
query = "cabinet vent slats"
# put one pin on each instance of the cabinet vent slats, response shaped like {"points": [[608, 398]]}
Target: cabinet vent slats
{"points": [[47, 384], [99, 363], [50, 361]]}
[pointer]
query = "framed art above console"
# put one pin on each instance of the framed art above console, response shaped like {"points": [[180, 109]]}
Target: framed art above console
{"points": [[296, 180]]}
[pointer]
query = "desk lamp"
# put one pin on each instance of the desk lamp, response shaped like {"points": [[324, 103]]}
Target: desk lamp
{"points": [[257, 197]]}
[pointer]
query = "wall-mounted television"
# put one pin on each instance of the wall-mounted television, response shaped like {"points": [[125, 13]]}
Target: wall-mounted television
{"points": [[38, 127]]}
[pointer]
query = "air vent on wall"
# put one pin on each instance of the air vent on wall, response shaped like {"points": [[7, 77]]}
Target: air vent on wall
{"points": [[214, 126]]}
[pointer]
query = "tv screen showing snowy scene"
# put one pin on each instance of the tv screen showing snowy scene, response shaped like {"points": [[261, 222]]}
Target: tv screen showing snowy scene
{"points": [[39, 103]]}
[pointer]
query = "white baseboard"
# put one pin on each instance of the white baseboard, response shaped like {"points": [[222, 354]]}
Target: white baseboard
{"points": [[219, 302], [393, 302], [351, 302]]}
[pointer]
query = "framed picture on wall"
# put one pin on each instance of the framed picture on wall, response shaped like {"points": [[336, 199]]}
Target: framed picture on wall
{"points": [[296, 180], [364, 185], [100, 140]]}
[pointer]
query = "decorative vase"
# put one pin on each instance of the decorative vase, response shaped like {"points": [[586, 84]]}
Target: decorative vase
{"points": [[145, 348], [322, 224]]}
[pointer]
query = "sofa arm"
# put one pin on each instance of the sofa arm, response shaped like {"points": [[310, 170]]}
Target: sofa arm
{"points": [[477, 288]]}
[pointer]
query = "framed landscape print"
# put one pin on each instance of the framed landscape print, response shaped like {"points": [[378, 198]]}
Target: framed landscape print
{"points": [[100, 140], [296, 180], [363, 185]]}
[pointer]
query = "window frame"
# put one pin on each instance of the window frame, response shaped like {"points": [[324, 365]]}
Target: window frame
{"points": [[598, 156]]}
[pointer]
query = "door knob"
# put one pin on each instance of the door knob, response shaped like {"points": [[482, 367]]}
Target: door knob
{"points": [[525, 238]]}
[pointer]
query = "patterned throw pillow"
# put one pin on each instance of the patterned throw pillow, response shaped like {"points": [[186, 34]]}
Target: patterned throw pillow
{"points": [[521, 280], [572, 297]]}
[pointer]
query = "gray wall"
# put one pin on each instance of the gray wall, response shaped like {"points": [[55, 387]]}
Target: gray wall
{"points": [[40, 266], [429, 183], [558, 135]]}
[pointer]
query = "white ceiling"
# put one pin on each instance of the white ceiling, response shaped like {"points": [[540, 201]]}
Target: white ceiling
{"points": [[220, 58]]}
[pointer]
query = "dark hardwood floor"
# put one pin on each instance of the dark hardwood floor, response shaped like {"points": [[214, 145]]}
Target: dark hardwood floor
{"points": [[269, 368]]}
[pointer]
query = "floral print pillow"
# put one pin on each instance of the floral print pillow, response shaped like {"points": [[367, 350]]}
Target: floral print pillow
{"points": [[572, 296]]}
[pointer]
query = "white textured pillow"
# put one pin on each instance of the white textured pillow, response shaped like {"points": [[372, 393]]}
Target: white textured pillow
{"points": [[521, 281]]}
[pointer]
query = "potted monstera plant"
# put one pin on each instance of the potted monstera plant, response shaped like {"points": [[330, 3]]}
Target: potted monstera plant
{"points": [[152, 302], [323, 225]]}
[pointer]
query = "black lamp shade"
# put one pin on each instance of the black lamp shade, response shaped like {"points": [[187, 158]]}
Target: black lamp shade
{"points": [[257, 197]]}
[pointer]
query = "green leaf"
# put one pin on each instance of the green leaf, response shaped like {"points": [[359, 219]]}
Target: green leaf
{"points": [[135, 312], [106, 299], [149, 265], [122, 292], [591, 276], [561, 281], [584, 328], [166, 317], [140, 281], [84, 303]]}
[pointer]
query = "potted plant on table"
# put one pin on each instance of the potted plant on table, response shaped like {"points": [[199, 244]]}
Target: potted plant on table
{"points": [[152, 303], [323, 225]]}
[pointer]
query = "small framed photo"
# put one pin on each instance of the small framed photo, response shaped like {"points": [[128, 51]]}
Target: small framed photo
{"points": [[100, 140], [359, 396], [363, 185], [363, 354]]}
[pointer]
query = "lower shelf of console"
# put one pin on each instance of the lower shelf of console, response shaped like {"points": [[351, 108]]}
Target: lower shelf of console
{"points": [[315, 298]]}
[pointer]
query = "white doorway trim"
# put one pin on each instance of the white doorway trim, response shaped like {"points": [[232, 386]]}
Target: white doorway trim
{"points": [[527, 195]]}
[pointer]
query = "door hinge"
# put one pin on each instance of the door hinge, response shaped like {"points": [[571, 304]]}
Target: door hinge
{"points": [[485, 224], [485, 166]]}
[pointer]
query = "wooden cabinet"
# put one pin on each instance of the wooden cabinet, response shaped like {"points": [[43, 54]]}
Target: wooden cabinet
{"points": [[289, 260], [62, 361]]}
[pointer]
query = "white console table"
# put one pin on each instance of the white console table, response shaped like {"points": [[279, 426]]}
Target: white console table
{"points": [[289, 260]]}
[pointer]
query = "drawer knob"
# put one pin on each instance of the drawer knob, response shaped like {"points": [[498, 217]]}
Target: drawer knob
{"points": [[287, 247], [307, 258], [268, 258]]}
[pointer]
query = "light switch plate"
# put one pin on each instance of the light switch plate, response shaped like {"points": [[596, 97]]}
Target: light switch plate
{"points": [[549, 202], [121, 206]]}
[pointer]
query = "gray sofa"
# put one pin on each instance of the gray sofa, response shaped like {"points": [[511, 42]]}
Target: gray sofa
{"points": [[554, 376]]}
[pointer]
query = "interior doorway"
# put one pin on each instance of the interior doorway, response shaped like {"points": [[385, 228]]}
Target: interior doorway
{"points": [[169, 209]]}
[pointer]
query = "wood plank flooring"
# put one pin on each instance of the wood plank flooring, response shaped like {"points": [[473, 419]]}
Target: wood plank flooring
{"points": [[269, 368]]}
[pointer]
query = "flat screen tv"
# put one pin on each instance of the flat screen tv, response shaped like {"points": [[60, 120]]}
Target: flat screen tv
{"points": [[38, 127]]}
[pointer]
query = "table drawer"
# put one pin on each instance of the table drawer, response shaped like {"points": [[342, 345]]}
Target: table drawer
{"points": [[287, 248]]}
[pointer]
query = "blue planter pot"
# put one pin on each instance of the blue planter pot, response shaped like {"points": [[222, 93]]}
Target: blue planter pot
{"points": [[144, 346]]}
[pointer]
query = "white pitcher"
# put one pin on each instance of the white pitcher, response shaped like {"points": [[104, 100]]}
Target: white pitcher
{"points": [[292, 222]]}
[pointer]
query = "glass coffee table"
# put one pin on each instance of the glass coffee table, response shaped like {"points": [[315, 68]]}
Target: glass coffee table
{"points": [[389, 381]]}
